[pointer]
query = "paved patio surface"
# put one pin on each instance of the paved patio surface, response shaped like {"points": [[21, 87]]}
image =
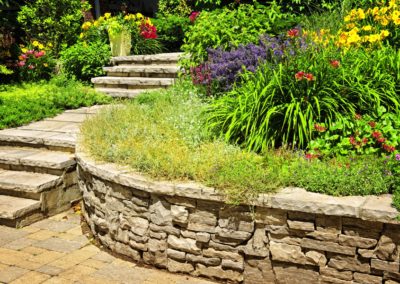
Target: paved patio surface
{"points": [[56, 251]]}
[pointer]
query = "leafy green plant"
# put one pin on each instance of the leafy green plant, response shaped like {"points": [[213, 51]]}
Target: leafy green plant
{"points": [[85, 60], [142, 45], [228, 27], [4, 70], [21, 104], [57, 22], [171, 31], [363, 134]]}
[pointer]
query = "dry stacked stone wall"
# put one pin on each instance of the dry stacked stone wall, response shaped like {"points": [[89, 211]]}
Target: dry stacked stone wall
{"points": [[187, 233]]}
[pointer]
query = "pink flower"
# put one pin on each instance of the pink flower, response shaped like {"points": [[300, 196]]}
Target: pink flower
{"points": [[21, 63], [23, 56], [193, 16], [30, 66], [39, 54], [30, 52]]}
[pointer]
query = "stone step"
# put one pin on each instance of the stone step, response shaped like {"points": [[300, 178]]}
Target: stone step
{"points": [[19, 212], [153, 71], [124, 93], [132, 82], [162, 58], [52, 140], [27, 184], [36, 160]]}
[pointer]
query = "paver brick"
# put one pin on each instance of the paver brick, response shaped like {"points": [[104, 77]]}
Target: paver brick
{"points": [[32, 277]]}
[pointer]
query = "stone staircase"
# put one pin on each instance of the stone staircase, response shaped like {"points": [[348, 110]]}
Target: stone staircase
{"points": [[131, 75], [38, 168]]}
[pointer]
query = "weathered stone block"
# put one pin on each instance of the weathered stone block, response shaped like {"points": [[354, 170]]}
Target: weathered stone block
{"points": [[188, 234], [203, 260], [366, 253], [234, 265], [385, 265], [165, 229], [160, 213], [301, 216], [203, 237], [333, 273], [386, 248], [209, 252], [331, 280], [156, 245], [127, 250], [287, 253], [186, 202], [349, 264], [270, 216], [176, 254], [329, 224], [232, 234], [367, 279], [176, 266], [182, 244], [179, 214], [301, 225], [285, 239], [202, 221], [139, 226], [219, 273], [327, 246], [316, 258], [257, 245], [258, 271], [354, 241], [158, 258], [294, 275], [324, 236]]}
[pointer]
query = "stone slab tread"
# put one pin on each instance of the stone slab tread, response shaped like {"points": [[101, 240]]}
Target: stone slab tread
{"points": [[160, 69], [155, 58], [21, 181], [15, 207], [134, 81], [124, 93], [36, 157]]}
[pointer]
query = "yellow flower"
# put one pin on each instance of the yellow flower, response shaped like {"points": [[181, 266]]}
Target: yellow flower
{"points": [[50, 44], [384, 22], [24, 50], [366, 28], [41, 46], [35, 43], [375, 11], [384, 33], [350, 25], [361, 14], [86, 25], [139, 16], [81, 35], [107, 15], [96, 23], [374, 38], [347, 18], [45, 65]]}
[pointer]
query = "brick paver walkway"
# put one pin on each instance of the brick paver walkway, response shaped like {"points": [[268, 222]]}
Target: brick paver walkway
{"points": [[56, 251]]}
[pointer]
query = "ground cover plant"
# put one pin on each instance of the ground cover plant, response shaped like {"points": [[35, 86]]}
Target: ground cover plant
{"points": [[24, 103]]}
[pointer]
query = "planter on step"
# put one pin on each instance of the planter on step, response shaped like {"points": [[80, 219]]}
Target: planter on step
{"points": [[120, 43]]}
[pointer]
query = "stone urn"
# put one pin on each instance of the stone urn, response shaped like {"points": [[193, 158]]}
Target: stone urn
{"points": [[120, 43]]}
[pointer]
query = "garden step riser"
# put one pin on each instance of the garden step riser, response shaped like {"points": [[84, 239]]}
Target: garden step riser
{"points": [[23, 221], [142, 74], [129, 87], [123, 93], [134, 82], [18, 212], [147, 62], [40, 170], [15, 142]]}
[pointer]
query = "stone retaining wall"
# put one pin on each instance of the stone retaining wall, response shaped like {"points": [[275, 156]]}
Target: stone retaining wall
{"points": [[289, 237]]}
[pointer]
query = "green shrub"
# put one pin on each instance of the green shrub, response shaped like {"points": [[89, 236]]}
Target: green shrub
{"points": [[228, 27], [53, 21], [171, 31], [272, 107], [173, 7], [85, 60], [21, 104], [141, 45]]}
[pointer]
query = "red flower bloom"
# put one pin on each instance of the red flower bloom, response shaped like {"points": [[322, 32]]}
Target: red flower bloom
{"points": [[365, 140], [352, 140], [388, 148], [299, 75], [376, 134], [193, 16], [293, 33], [381, 140], [309, 77], [309, 156], [23, 56], [372, 124], [319, 128], [335, 63], [148, 31]]}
